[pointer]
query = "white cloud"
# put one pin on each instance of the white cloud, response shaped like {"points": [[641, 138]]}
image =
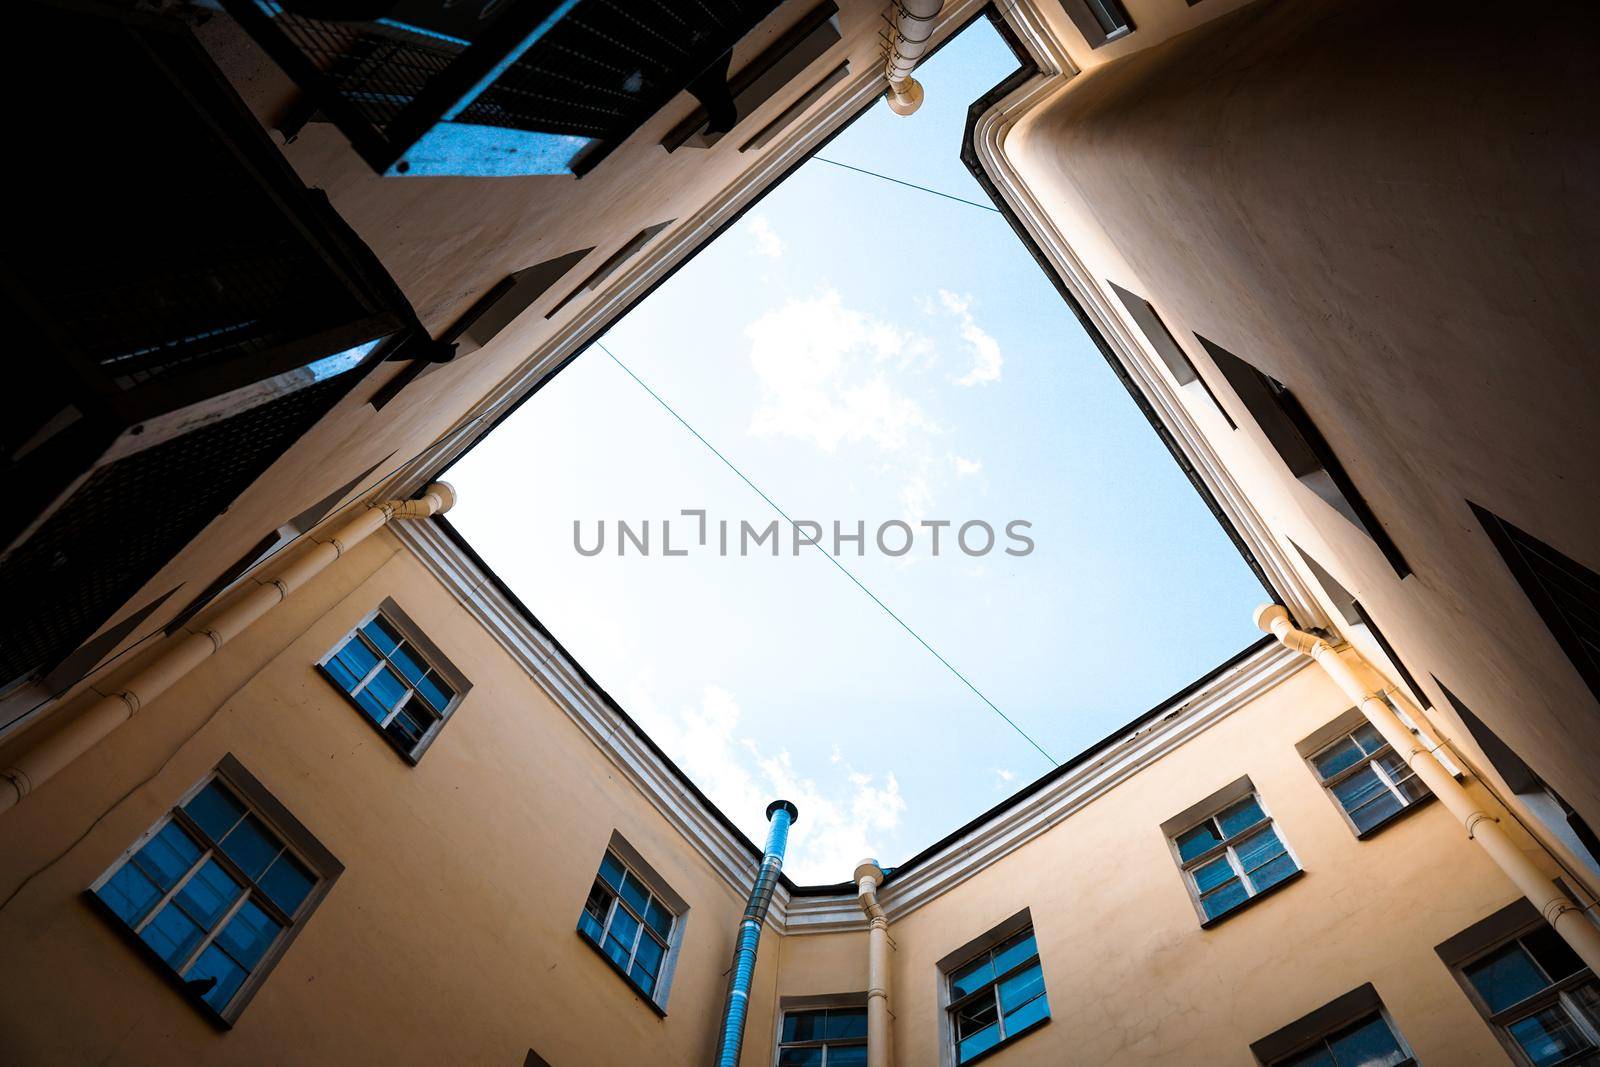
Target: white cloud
{"points": [[965, 467], [822, 376], [916, 497], [1003, 778], [986, 357], [768, 243], [841, 822]]}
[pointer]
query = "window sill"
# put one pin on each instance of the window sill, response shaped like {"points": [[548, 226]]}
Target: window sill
{"points": [[1207, 924], [1007, 1043], [1402, 814], [620, 973], [412, 756], [162, 967]]}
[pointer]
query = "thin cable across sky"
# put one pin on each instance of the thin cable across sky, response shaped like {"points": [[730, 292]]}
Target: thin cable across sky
{"points": [[827, 555]]}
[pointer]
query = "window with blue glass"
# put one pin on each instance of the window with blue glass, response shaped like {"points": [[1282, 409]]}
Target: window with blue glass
{"points": [[630, 924], [997, 997], [1370, 780], [1368, 1042], [1232, 856], [824, 1037], [396, 679], [215, 891], [1541, 998]]}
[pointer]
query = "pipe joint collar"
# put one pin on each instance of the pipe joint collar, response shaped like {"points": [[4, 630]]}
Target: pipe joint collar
{"points": [[1474, 819]]}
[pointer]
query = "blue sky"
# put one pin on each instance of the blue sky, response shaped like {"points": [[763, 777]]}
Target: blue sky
{"points": [[862, 352]]}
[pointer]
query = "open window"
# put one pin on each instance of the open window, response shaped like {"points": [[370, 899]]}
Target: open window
{"points": [[994, 992]]}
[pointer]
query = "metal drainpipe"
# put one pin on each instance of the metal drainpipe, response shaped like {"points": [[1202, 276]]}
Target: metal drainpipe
{"points": [[913, 30], [782, 815], [869, 876], [55, 750], [1557, 908]]}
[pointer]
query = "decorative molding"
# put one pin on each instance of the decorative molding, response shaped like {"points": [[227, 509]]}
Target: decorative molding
{"points": [[730, 855], [680, 243], [1132, 350]]}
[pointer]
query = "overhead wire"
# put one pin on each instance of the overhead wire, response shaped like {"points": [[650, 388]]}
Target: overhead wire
{"points": [[828, 555]]}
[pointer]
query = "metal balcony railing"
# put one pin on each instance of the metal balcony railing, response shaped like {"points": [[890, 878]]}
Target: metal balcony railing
{"points": [[495, 87], [182, 308]]}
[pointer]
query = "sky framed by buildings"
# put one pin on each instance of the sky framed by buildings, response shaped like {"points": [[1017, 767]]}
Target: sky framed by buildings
{"points": [[863, 353]]}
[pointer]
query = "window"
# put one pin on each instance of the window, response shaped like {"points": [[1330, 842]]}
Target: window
{"points": [[824, 1037], [631, 920], [1369, 779], [1166, 347], [1352, 1031], [1558, 818], [1100, 21], [219, 887], [1301, 446], [397, 679], [997, 996], [1532, 988], [1565, 593], [1232, 853]]}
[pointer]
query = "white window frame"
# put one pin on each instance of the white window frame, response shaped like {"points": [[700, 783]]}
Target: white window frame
{"points": [[422, 649], [953, 961], [1347, 725], [1558, 993], [1208, 809], [1315, 1029], [296, 841], [657, 889], [800, 1005]]}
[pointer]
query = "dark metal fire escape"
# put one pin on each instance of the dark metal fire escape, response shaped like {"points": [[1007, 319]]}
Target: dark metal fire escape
{"points": [[498, 87]]}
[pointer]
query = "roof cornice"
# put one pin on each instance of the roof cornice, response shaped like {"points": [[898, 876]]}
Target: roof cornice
{"points": [[729, 853]]}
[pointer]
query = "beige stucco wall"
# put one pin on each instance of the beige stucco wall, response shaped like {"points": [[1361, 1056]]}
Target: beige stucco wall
{"points": [[450, 938], [1385, 207], [1130, 975], [447, 242]]}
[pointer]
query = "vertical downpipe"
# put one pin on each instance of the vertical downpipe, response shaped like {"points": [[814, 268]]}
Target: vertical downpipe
{"points": [[782, 815]]}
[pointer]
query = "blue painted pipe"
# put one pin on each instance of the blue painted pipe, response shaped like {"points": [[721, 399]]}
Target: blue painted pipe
{"points": [[782, 814]]}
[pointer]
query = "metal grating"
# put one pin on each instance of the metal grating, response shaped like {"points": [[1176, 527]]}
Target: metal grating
{"points": [[132, 516], [178, 292], [1564, 592], [596, 68], [182, 258]]}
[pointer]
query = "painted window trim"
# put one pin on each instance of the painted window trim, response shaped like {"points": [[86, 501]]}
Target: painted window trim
{"points": [[1507, 539], [1294, 437], [1160, 338], [1094, 34], [412, 634], [1512, 922], [1213, 805], [295, 837], [1314, 1027], [1344, 726], [988, 941], [791, 1005], [635, 864]]}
